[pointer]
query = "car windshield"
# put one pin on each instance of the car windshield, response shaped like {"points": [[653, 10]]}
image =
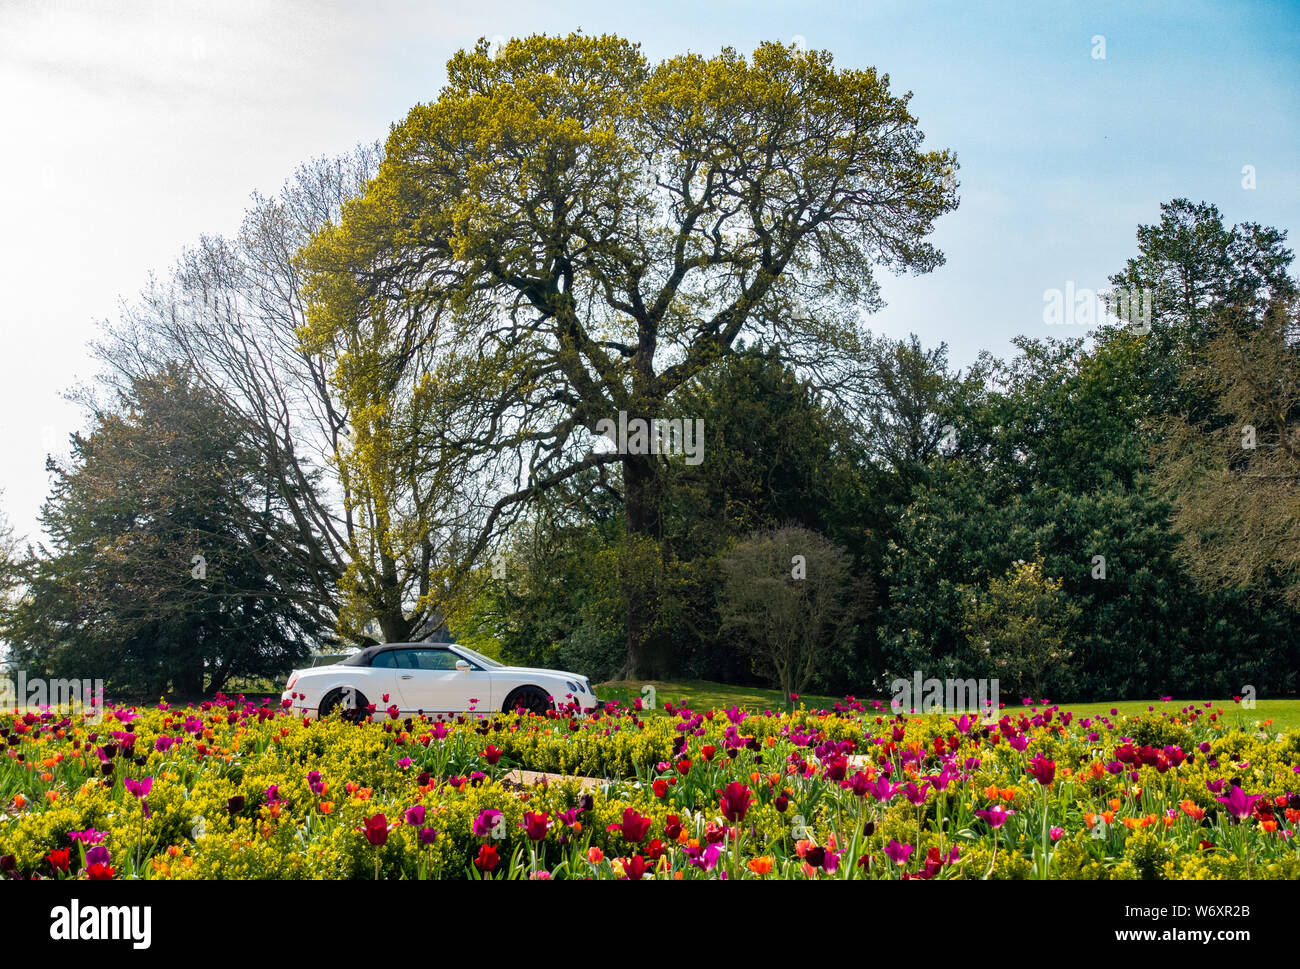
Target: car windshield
{"points": [[477, 657]]}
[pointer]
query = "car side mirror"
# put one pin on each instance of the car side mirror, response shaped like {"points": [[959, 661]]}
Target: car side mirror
{"points": [[462, 665]]}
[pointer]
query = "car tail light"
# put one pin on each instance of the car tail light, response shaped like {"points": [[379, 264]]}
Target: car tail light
{"points": [[293, 678]]}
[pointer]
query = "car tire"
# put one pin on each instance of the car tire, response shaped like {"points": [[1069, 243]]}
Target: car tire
{"points": [[334, 698], [532, 698]]}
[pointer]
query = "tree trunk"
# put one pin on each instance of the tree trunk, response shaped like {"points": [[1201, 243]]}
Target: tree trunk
{"points": [[191, 680], [395, 626], [647, 652], [219, 676]]}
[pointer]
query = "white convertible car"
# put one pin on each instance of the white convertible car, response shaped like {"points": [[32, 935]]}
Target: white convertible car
{"points": [[432, 678]]}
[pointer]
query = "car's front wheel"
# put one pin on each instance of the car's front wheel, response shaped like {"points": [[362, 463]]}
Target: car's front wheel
{"points": [[530, 698]]}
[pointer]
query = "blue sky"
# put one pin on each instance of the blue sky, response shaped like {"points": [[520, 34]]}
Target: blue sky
{"points": [[133, 127]]}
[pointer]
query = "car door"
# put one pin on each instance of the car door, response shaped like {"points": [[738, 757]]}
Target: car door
{"points": [[428, 680], [380, 680]]}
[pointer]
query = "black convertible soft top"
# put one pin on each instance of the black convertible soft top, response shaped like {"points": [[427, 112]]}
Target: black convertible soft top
{"points": [[366, 656]]}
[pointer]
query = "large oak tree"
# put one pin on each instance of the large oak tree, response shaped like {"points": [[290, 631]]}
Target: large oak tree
{"points": [[570, 231]]}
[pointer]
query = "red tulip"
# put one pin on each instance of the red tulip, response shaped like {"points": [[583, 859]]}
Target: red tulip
{"points": [[536, 825], [634, 867], [1043, 770], [634, 827], [672, 827], [735, 801], [376, 830], [487, 858]]}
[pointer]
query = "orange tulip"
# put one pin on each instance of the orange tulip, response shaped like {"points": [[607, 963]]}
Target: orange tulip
{"points": [[761, 866]]}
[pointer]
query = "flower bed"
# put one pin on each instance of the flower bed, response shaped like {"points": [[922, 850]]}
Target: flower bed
{"points": [[229, 789]]}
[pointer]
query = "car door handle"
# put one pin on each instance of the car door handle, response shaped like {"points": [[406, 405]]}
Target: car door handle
{"points": [[407, 676]]}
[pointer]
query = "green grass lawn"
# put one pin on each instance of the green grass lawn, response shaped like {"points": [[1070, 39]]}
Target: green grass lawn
{"points": [[1285, 714], [705, 695]]}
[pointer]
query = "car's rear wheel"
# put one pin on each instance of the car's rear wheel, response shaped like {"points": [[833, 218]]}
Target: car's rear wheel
{"points": [[334, 700], [530, 698]]}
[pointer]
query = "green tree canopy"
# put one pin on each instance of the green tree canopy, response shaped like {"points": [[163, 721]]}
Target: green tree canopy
{"points": [[786, 596], [153, 577]]}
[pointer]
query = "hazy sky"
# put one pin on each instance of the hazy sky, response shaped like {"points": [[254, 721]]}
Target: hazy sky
{"points": [[127, 129]]}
